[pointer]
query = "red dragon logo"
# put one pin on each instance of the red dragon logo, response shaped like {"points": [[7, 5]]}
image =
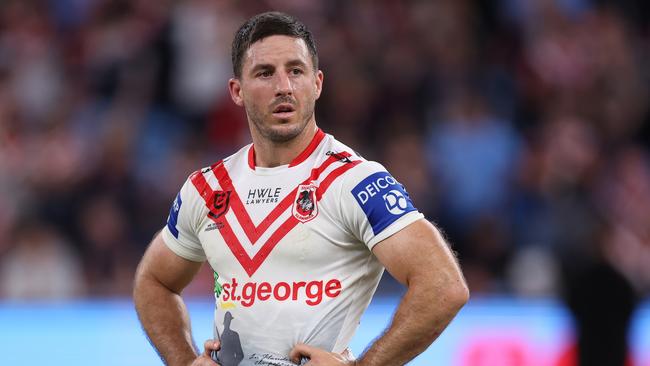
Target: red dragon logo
{"points": [[305, 207]]}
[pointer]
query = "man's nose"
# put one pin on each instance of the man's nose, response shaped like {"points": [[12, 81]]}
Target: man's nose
{"points": [[283, 85]]}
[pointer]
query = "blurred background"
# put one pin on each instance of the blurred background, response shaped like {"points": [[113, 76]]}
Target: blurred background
{"points": [[521, 127]]}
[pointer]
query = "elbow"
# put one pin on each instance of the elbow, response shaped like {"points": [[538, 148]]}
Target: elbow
{"points": [[143, 284], [138, 280], [458, 291], [138, 287], [460, 295], [448, 298], [456, 295], [448, 295]]}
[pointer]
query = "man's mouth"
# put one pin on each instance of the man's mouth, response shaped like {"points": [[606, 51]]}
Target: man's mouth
{"points": [[284, 110]]}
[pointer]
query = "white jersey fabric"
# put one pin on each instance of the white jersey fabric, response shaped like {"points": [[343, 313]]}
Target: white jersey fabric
{"points": [[290, 246]]}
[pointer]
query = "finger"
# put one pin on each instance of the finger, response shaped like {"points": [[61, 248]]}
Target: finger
{"points": [[301, 350], [347, 355], [209, 346], [204, 361]]}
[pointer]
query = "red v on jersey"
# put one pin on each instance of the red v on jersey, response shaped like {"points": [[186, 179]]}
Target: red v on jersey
{"points": [[252, 231]]}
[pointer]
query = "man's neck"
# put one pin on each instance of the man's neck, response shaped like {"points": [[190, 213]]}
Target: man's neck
{"points": [[269, 154]]}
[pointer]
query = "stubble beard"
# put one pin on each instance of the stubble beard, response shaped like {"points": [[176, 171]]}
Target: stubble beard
{"points": [[283, 134]]}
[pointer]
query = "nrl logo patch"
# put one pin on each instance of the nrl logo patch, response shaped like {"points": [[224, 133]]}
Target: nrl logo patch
{"points": [[305, 207], [220, 203]]}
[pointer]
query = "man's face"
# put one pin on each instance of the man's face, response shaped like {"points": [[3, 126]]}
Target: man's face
{"points": [[278, 87]]}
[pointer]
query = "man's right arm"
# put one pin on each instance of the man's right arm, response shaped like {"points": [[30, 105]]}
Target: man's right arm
{"points": [[159, 280]]}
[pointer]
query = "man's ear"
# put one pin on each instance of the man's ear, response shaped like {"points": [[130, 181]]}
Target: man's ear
{"points": [[236, 93], [319, 83]]}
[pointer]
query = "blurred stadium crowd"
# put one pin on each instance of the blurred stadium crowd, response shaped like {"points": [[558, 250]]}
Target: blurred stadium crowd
{"points": [[520, 126]]}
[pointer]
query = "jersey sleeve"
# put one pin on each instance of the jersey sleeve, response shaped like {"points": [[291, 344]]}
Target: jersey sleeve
{"points": [[374, 205], [180, 233]]}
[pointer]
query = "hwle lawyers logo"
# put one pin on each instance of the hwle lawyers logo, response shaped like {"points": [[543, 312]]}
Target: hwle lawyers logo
{"points": [[263, 195], [383, 200]]}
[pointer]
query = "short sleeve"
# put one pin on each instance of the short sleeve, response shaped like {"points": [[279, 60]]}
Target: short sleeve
{"points": [[180, 233], [374, 205]]}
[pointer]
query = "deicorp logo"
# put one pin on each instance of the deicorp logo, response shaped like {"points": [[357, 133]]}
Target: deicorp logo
{"points": [[383, 200], [395, 202], [172, 219]]}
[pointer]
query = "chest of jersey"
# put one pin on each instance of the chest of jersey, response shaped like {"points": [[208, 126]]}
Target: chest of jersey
{"points": [[282, 224]]}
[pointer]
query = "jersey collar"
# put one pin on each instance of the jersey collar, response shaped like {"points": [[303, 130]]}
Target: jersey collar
{"points": [[318, 137]]}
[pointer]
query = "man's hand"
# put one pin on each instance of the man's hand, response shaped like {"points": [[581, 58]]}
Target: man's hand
{"points": [[317, 356], [205, 359]]}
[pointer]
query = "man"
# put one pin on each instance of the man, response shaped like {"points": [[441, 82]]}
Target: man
{"points": [[298, 229], [230, 341]]}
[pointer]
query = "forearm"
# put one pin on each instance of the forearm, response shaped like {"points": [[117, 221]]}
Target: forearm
{"points": [[165, 319], [420, 318]]}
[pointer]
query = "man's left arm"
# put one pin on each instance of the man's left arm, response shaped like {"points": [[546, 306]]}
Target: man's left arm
{"points": [[418, 257]]}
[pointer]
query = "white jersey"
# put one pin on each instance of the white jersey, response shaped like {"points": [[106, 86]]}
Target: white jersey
{"points": [[290, 246]]}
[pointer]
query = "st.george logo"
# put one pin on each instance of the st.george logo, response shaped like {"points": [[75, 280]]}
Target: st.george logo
{"points": [[305, 207], [395, 202], [220, 204]]}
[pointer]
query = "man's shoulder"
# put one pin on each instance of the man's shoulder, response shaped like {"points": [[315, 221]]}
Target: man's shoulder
{"points": [[204, 180], [227, 162], [363, 167], [336, 148]]}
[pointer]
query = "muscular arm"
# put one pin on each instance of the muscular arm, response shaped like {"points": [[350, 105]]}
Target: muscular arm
{"points": [[419, 258], [159, 280]]}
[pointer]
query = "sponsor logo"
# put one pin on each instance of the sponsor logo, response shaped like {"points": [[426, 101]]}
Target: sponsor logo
{"points": [[305, 207], [217, 285], [395, 202], [172, 219], [383, 200], [220, 203], [213, 226], [373, 187], [263, 195], [312, 292], [339, 156]]}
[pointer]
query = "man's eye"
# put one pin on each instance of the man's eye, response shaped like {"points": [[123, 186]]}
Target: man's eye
{"points": [[296, 71], [264, 74]]}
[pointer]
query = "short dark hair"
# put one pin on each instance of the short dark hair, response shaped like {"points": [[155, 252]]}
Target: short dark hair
{"points": [[265, 25]]}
